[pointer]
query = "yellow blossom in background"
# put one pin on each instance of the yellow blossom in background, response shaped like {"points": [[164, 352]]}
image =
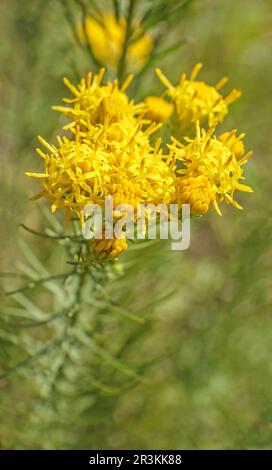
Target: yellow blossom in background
{"points": [[217, 160], [106, 37], [197, 101], [159, 110]]}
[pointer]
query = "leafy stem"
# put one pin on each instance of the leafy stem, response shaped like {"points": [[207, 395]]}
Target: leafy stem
{"points": [[76, 238], [66, 337]]}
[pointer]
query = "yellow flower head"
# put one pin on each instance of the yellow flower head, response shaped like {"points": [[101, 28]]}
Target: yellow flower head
{"points": [[104, 114], [75, 174], [108, 249], [106, 37], [94, 104], [196, 191], [217, 160], [159, 110], [197, 101]]}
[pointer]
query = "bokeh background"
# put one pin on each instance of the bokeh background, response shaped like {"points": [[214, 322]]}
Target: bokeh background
{"points": [[204, 355]]}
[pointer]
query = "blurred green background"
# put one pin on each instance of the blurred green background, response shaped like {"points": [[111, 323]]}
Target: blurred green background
{"points": [[208, 379]]}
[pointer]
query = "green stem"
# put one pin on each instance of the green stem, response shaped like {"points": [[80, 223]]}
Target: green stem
{"points": [[122, 62], [116, 9]]}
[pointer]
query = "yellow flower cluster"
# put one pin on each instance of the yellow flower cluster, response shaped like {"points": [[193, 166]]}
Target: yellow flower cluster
{"points": [[102, 112], [110, 151], [106, 37]]}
